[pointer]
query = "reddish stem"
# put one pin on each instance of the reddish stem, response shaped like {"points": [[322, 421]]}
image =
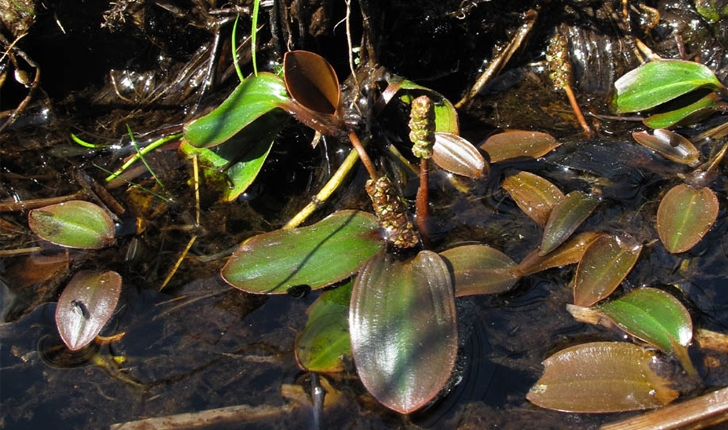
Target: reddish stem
{"points": [[422, 204]]}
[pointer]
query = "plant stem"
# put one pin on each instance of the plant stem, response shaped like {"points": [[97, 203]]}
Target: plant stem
{"points": [[141, 153], [356, 143], [325, 192], [422, 208], [577, 110]]}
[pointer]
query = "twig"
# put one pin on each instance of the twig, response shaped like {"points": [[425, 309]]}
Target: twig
{"points": [[238, 414], [701, 412]]}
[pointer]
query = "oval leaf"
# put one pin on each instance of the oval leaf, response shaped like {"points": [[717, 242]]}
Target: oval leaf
{"points": [[75, 224], [685, 215], [601, 377], [480, 269], [403, 329], [533, 194], [660, 81], [605, 264], [565, 218], [657, 318], [253, 98], [456, 155], [86, 305], [568, 253], [670, 145], [324, 343], [311, 81], [513, 144], [318, 255], [689, 114]]}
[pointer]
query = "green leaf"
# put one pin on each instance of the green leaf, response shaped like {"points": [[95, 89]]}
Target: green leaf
{"points": [[515, 144], [565, 218], [75, 224], [318, 255], [660, 81], [605, 264], [446, 117], [684, 216], [85, 306], [324, 343], [480, 269], [657, 318], [252, 99], [235, 164], [403, 329], [601, 377], [687, 114], [533, 194]]}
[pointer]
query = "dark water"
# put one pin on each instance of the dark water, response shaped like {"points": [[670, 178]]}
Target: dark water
{"points": [[198, 344]]}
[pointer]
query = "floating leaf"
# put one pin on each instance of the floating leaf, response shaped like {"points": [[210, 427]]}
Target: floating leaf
{"points": [[403, 329], [311, 81], [670, 145], [533, 194], [86, 305], [688, 114], [253, 98], [514, 144], [318, 255], [480, 269], [324, 343], [685, 215], [660, 81], [605, 264], [235, 164], [657, 318], [568, 253], [601, 377], [456, 155], [566, 217], [75, 224]]}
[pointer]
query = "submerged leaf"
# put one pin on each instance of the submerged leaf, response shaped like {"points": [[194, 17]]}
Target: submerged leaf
{"points": [[253, 98], [75, 224], [311, 81], [670, 145], [565, 218], [324, 343], [605, 264], [533, 194], [456, 155], [657, 318], [514, 144], [480, 269], [403, 329], [86, 305], [317, 255], [684, 216], [601, 377], [660, 81]]}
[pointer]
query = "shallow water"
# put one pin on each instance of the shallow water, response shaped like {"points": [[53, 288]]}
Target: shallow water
{"points": [[199, 344]]}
